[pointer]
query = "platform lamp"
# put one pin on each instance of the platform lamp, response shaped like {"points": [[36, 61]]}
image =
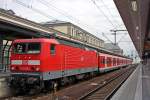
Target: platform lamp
{"points": [[134, 6]]}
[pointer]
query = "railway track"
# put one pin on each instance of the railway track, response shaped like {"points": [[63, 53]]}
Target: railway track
{"points": [[106, 91], [98, 88]]}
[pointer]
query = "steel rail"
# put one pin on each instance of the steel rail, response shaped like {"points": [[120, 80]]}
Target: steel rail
{"points": [[105, 84]]}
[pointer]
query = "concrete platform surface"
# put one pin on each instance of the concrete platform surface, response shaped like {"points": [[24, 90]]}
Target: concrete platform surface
{"points": [[4, 74], [146, 82], [128, 90], [137, 86], [5, 91]]}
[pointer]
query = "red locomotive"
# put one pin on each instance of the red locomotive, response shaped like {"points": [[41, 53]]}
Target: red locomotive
{"points": [[38, 63]]}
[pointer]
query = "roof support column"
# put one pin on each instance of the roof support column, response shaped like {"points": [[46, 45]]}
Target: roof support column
{"points": [[1, 50]]}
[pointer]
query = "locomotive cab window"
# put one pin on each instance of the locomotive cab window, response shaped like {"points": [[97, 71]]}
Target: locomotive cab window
{"points": [[52, 49], [33, 48], [27, 48], [20, 48]]}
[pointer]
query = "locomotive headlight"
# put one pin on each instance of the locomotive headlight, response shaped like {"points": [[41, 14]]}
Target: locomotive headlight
{"points": [[12, 68], [37, 69]]}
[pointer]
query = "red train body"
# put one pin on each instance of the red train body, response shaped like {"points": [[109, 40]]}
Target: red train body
{"points": [[40, 60]]}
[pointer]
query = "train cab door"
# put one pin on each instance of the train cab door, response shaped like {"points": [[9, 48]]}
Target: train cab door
{"points": [[54, 58]]}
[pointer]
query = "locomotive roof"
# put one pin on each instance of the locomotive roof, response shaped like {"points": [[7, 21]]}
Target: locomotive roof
{"points": [[67, 42], [36, 40]]}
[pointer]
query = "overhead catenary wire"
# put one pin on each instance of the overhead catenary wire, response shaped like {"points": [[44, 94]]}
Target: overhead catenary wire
{"points": [[60, 11], [101, 11], [46, 15], [47, 4], [123, 36], [31, 3], [103, 34], [107, 18], [49, 16], [107, 8], [34, 9], [40, 11], [66, 14]]}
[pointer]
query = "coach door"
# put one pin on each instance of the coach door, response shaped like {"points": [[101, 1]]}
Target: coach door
{"points": [[102, 62], [114, 61]]}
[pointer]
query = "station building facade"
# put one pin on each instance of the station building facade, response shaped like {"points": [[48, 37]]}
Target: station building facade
{"points": [[114, 48], [75, 32]]}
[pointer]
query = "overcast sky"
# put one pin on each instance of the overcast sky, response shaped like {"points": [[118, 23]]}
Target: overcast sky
{"points": [[96, 17]]}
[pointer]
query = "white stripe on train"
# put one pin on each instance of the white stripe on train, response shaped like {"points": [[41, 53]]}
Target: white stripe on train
{"points": [[28, 62]]}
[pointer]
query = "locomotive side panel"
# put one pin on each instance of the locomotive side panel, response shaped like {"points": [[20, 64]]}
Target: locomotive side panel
{"points": [[51, 57], [77, 60], [66, 61]]}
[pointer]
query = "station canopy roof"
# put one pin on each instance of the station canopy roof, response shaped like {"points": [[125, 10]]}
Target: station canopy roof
{"points": [[136, 17]]}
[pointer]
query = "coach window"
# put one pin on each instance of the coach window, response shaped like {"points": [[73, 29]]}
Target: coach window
{"points": [[53, 49]]}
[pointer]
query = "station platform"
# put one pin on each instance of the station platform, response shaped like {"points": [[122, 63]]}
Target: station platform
{"points": [[4, 74], [137, 86], [5, 91]]}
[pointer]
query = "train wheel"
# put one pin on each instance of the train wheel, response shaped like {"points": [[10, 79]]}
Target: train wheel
{"points": [[55, 86], [64, 81], [48, 85], [72, 80], [35, 90]]}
